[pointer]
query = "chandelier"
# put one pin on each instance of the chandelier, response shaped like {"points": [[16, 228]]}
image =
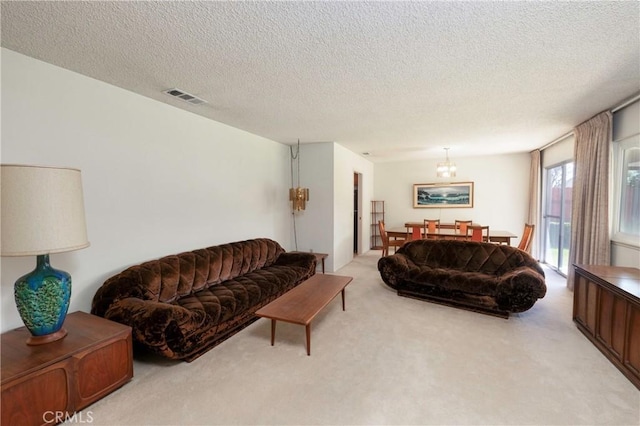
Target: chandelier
{"points": [[298, 195], [446, 168]]}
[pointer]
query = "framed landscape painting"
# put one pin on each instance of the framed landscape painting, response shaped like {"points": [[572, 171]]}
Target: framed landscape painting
{"points": [[443, 195]]}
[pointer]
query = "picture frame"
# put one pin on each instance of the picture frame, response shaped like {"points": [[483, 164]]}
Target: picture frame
{"points": [[443, 195]]}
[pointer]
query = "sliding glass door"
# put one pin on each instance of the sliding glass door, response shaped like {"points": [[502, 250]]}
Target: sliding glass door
{"points": [[557, 216]]}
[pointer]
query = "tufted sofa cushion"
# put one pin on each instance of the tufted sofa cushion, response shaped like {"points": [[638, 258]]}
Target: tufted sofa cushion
{"points": [[466, 256], [184, 304], [487, 276]]}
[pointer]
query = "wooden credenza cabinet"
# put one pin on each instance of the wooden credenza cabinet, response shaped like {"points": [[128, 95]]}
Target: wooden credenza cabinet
{"points": [[47, 384], [606, 308]]}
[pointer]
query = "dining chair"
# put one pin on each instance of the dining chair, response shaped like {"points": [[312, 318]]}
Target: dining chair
{"points": [[461, 226], [479, 233], [386, 242], [431, 226], [527, 237]]}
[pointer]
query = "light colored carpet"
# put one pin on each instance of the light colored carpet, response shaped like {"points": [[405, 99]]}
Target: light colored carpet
{"points": [[388, 360]]}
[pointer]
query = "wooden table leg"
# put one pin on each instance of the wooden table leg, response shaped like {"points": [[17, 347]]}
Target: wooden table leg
{"points": [[308, 328], [343, 299], [273, 331]]}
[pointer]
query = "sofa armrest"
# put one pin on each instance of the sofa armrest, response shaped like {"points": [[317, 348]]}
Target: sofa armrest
{"points": [[115, 289], [395, 269], [154, 324], [302, 260], [519, 289]]}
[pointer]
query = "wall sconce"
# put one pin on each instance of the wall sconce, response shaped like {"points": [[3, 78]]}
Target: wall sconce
{"points": [[298, 196], [446, 168]]}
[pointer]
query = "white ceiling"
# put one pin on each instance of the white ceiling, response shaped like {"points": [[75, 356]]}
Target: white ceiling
{"points": [[400, 80]]}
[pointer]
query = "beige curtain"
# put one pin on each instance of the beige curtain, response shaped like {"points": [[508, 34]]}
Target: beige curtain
{"points": [[534, 201], [590, 242]]}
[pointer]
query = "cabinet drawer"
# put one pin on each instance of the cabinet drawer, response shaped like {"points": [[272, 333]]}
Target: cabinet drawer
{"points": [[102, 370], [36, 399], [612, 311], [632, 356]]}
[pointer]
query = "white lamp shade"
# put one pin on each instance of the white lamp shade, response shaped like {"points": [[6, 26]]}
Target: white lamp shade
{"points": [[42, 210]]}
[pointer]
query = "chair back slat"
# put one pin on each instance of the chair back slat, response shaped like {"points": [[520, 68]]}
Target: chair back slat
{"points": [[527, 237], [479, 233], [387, 242], [384, 238], [431, 226], [462, 226], [416, 234]]}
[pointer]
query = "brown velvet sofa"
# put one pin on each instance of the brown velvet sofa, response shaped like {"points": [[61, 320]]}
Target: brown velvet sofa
{"points": [[485, 277], [181, 306]]}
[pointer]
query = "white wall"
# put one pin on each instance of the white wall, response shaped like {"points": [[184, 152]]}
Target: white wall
{"points": [[500, 186], [315, 224], [326, 225], [346, 163], [157, 180]]}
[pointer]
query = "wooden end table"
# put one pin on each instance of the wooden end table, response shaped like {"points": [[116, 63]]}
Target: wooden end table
{"points": [[301, 304]]}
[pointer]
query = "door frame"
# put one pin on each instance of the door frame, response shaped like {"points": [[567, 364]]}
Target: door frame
{"points": [[357, 187]]}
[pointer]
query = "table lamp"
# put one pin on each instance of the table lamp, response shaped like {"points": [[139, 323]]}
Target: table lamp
{"points": [[42, 213]]}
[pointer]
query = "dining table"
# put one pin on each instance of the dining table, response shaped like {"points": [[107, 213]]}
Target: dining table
{"points": [[417, 227], [495, 236]]}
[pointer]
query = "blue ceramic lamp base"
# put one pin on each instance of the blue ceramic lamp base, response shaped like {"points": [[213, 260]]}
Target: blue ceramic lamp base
{"points": [[42, 297]]}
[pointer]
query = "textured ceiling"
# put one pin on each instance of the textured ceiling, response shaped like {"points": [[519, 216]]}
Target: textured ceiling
{"points": [[400, 80]]}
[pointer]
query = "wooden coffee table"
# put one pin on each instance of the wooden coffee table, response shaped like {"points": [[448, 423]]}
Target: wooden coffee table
{"points": [[301, 304]]}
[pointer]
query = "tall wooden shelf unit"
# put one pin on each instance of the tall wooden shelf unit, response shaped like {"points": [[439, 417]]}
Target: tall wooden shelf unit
{"points": [[377, 213]]}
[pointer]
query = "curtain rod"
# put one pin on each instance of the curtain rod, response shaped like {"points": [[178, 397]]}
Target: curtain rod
{"points": [[555, 141], [614, 109], [625, 103]]}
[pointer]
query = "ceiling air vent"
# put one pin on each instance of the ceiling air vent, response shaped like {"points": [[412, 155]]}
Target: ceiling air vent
{"points": [[184, 96]]}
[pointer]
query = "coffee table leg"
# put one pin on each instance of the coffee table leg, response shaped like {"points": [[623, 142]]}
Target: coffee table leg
{"points": [[273, 331], [308, 327], [343, 299]]}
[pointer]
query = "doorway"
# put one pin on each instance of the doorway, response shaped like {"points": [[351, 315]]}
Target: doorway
{"points": [[357, 211], [557, 216]]}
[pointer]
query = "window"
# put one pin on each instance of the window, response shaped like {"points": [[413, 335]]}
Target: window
{"points": [[557, 216], [627, 191]]}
